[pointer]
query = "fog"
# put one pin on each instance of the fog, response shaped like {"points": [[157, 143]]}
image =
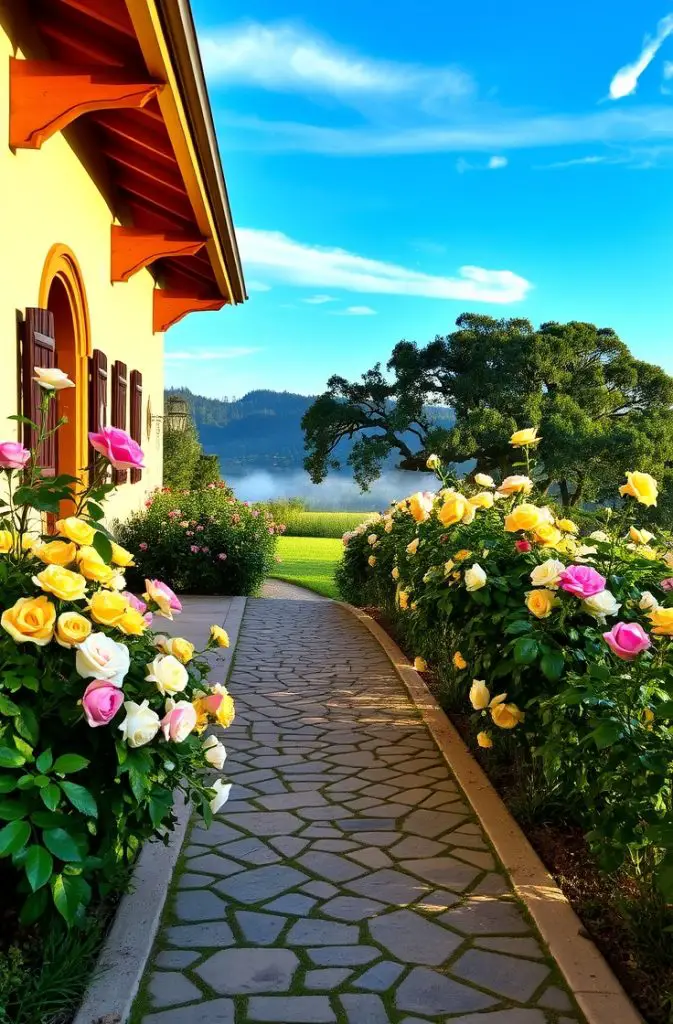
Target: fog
{"points": [[337, 492]]}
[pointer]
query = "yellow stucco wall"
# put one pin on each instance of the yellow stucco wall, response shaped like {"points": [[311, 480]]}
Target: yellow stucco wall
{"points": [[48, 197]]}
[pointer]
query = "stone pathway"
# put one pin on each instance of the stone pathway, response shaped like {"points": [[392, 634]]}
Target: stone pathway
{"points": [[347, 881]]}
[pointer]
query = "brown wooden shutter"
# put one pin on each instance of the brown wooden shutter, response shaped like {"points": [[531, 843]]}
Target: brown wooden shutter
{"points": [[136, 430], [39, 349], [98, 376], [119, 389]]}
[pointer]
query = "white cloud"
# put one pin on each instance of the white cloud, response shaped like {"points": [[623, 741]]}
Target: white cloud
{"points": [[208, 355], [257, 286], [291, 58], [668, 69], [275, 254], [625, 81], [318, 300], [357, 311], [496, 162], [580, 161]]}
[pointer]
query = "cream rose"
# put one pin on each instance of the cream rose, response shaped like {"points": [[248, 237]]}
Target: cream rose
{"points": [[547, 574], [475, 578], [169, 675], [100, 657], [484, 480], [222, 791], [214, 752], [140, 725], [600, 605]]}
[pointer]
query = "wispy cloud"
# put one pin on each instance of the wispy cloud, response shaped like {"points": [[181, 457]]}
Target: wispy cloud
{"points": [[210, 355], [318, 300], [274, 253], [625, 81], [580, 161], [257, 286], [290, 58], [497, 162], [356, 311]]}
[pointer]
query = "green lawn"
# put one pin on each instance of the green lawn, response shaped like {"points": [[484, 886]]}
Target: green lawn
{"points": [[309, 562]]}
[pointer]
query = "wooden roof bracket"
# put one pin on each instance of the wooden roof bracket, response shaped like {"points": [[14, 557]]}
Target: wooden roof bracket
{"points": [[170, 305], [133, 248], [46, 96]]}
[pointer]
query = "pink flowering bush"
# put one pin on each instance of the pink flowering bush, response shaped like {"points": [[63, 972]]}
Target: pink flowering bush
{"points": [[556, 635], [204, 542], [101, 720]]}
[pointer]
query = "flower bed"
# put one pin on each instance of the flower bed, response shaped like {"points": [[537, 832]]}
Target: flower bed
{"points": [[203, 542], [561, 645], [101, 720]]}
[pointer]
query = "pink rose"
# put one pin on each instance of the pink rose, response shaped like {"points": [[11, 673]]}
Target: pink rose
{"points": [[627, 640], [101, 702], [118, 448], [523, 546], [179, 720], [582, 581], [135, 602], [148, 617], [222, 557], [206, 551], [162, 595], [143, 545], [13, 455], [194, 549], [667, 584]]}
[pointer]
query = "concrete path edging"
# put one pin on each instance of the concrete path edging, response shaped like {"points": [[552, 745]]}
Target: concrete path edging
{"points": [[592, 982], [122, 961]]}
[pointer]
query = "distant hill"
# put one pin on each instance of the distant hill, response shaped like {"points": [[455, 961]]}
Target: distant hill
{"points": [[262, 430]]}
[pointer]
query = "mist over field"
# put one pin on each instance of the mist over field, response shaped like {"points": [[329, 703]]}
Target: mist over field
{"points": [[336, 493]]}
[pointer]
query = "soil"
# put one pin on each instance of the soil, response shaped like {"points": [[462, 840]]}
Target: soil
{"points": [[611, 907]]}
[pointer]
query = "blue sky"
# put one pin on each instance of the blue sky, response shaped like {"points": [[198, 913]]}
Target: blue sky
{"points": [[389, 170]]}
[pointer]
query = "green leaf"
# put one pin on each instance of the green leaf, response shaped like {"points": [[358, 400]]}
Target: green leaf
{"points": [[11, 758], [26, 724], [96, 512], [51, 796], [49, 819], [38, 866], [26, 782], [80, 798], [138, 783], [7, 706], [24, 748], [102, 546], [552, 664], [61, 844], [34, 907], [13, 837], [8, 783], [44, 761], [13, 810], [70, 894], [68, 764], [518, 627], [606, 734], [525, 650], [664, 711], [22, 419]]}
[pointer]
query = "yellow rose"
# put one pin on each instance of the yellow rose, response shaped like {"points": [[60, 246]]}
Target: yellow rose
{"points": [[459, 661], [56, 552], [62, 583], [648, 718], [420, 505], [95, 569], [122, 557], [506, 716], [181, 649], [388, 526], [541, 602], [484, 480], [523, 438], [547, 535], [403, 599], [76, 529], [523, 517], [516, 485], [412, 547], [71, 629], [107, 607], [567, 525], [30, 620], [475, 578], [461, 555], [640, 536], [6, 542], [420, 664], [642, 487], [395, 573], [484, 740], [645, 551], [448, 566], [371, 560], [453, 509], [219, 635], [482, 500], [469, 513], [28, 542], [662, 621], [132, 622], [479, 695], [547, 574], [433, 462]]}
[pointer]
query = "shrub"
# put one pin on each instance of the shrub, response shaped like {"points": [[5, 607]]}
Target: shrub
{"points": [[99, 718], [202, 542], [322, 524], [562, 644]]}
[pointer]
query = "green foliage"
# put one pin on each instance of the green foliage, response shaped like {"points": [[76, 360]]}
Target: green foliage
{"points": [[322, 524], [599, 409], [186, 466], [309, 562], [201, 542]]}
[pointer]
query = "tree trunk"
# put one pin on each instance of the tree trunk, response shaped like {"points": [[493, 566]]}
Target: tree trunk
{"points": [[565, 493]]}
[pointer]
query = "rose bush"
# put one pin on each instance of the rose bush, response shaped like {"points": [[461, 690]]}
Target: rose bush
{"points": [[566, 630], [101, 720], [203, 542]]}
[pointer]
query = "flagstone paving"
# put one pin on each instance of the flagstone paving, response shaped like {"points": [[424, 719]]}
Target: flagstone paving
{"points": [[347, 880]]}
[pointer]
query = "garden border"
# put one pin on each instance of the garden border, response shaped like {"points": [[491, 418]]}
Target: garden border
{"points": [[122, 960], [592, 982]]}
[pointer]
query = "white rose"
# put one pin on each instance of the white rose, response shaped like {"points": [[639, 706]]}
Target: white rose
{"points": [[546, 515], [118, 582], [475, 578], [484, 480], [214, 752], [648, 601], [140, 725], [600, 605], [600, 535], [372, 538], [547, 574], [169, 674], [51, 378], [101, 657], [222, 791], [584, 553]]}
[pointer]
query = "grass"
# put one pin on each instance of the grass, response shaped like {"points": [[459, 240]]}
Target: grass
{"points": [[309, 562], [322, 524]]}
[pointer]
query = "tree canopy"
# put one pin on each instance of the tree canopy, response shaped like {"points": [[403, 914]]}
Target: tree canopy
{"points": [[599, 410]]}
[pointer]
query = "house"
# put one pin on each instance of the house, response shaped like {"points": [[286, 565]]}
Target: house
{"points": [[114, 216]]}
